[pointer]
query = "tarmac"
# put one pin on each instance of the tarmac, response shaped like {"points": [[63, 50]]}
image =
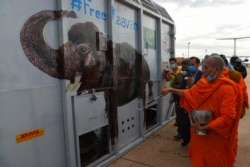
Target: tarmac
{"points": [[161, 150]]}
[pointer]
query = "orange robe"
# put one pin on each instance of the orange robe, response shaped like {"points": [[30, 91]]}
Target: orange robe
{"points": [[224, 98], [237, 77]]}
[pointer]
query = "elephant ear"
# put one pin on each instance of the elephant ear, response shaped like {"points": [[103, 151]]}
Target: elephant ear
{"points": [[38, 52]]}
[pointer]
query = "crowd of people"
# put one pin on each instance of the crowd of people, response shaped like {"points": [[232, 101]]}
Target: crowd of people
{"points": [[216, 85]]}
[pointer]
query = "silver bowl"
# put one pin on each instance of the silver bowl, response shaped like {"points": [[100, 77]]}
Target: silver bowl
{"points": [[203, 116]]}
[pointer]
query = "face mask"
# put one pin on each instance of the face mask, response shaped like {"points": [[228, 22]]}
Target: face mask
{"points": [[211, 78], [191, 69], [172, 66]]}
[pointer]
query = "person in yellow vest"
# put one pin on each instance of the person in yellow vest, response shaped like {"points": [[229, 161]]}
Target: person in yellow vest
{"points": [[174, 69], [170, 76]]}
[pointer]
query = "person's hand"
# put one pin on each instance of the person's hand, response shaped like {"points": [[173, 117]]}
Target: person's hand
{"points": [[196, 124], [165, 91], [166, 70], [190, 82], [167, 75]]}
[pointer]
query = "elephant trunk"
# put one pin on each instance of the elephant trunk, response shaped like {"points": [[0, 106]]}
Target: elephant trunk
{"points": [[37, 51]]}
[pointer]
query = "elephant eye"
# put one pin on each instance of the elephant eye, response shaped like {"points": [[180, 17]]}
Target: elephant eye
{"points": [[83, 49]]}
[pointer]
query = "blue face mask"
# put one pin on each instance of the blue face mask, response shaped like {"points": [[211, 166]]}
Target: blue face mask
{"points": [[191, 69], [210, 78]]}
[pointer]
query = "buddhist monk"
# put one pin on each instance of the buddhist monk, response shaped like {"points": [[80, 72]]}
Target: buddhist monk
{"points": [[237, 78], [224, 98]]}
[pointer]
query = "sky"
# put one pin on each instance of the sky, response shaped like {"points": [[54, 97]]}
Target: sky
{"points": [[203, 22]]}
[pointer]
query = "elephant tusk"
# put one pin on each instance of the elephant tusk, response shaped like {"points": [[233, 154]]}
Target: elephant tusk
{"points": [[72, 86]]}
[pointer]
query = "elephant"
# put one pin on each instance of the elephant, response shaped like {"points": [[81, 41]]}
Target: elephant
{"points": [[120, 66]]}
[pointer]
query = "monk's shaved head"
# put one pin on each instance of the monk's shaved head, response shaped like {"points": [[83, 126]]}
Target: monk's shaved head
{"points": [[216, 61], [214, 66]]}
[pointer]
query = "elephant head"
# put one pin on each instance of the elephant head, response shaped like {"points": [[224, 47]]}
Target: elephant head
{"points": [[78, 55]]}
